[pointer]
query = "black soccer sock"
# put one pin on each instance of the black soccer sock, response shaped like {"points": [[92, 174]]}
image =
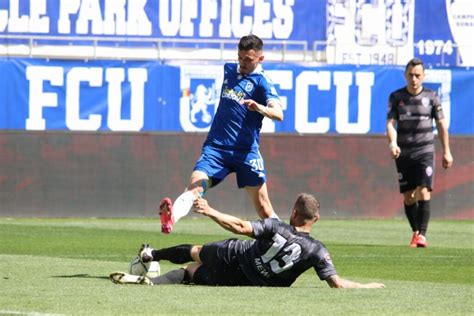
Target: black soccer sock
{"points": [[411, 213], [177, 276], [177, 254], [424, 212]]}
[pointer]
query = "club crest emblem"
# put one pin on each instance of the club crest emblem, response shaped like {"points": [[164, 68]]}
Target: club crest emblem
{"points": [[200, 97], [425, 101], [249, 86], [429, 171]]}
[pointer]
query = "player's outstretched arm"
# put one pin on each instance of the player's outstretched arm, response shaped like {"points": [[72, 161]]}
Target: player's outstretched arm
{"points": [[335, 281], [226, 221]]}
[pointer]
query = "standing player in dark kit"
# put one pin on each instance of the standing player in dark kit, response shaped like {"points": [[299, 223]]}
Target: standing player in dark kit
{"points": [[410, 134], [232, 144], [276, 256]]}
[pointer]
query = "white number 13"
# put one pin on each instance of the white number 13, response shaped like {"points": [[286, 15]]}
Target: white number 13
{"points": [[280, 263]]}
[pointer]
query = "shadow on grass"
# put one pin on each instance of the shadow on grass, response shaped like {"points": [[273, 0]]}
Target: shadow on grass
{"points": [[82, 276]]}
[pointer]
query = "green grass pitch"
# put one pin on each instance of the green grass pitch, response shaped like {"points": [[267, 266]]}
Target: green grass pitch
{"points": [[60, 266]]}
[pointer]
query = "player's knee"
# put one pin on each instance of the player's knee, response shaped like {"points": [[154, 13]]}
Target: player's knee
{"points": [[423, 193], [191, 269], [199, 185], [195, 252], [409, 197]]}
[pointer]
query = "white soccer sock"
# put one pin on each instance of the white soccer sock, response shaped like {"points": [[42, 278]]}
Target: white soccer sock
{"points": [[182, 205]]}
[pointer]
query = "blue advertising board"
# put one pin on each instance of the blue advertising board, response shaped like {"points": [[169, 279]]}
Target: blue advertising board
{"points": [[279, 19], [153, 96]]}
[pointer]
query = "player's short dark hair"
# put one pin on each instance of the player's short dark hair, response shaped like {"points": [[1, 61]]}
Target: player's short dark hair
{"points": [[414, 62], [307, 206], [249, 42]]}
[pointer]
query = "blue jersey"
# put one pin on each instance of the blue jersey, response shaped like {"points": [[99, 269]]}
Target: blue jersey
{"points": [[235, 127]]}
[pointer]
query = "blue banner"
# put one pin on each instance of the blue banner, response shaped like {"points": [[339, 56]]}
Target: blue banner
{"points": [[152, 96], [280, 19], [438, 30], [348, 32]]}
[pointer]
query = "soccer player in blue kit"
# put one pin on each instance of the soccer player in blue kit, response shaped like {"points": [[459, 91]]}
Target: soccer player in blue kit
{"points": [[276, 255], [232, 144]]}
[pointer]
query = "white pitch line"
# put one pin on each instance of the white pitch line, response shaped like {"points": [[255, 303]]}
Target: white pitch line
{"points": [[7, 312]]}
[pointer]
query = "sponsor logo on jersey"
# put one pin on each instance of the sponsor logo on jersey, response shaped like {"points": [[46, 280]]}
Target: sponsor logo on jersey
{"points": [[409, 117], [229, 93]]}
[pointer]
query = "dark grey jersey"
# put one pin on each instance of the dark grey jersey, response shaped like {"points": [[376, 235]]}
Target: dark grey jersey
{"points": [[279, 254], [414, 115]]}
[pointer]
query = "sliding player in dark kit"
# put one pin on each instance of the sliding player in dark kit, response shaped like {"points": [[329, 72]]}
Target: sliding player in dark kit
{"points": [[276, 255]]}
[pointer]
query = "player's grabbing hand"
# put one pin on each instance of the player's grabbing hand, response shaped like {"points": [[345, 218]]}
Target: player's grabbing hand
{"points": [[201, 206]]}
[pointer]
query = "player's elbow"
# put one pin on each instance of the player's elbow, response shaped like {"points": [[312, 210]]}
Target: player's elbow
{"points": [[276, 111], [336, 285], [335, 281], [276, 116], [242, 228]]}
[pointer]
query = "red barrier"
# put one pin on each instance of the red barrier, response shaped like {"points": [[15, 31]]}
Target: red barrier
{"points": [[126, 174]]}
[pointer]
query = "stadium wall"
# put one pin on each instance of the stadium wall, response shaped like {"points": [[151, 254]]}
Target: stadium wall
{"points": [[97, 174]]}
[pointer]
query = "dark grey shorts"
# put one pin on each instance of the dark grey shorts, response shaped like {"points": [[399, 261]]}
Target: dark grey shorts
{"points": [[219, 266], [415, 172]]}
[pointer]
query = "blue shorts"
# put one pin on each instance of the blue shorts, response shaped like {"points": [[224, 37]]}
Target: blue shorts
{"points": [[217, 163]]}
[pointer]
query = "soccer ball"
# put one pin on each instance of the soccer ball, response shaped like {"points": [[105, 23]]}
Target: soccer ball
{"points": [[149, 269], [153, 269], [137, 267]]}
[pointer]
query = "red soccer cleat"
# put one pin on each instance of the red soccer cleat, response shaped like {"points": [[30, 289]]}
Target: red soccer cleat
{"points": [[414, 239], [421, 242], [166, 215]]}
